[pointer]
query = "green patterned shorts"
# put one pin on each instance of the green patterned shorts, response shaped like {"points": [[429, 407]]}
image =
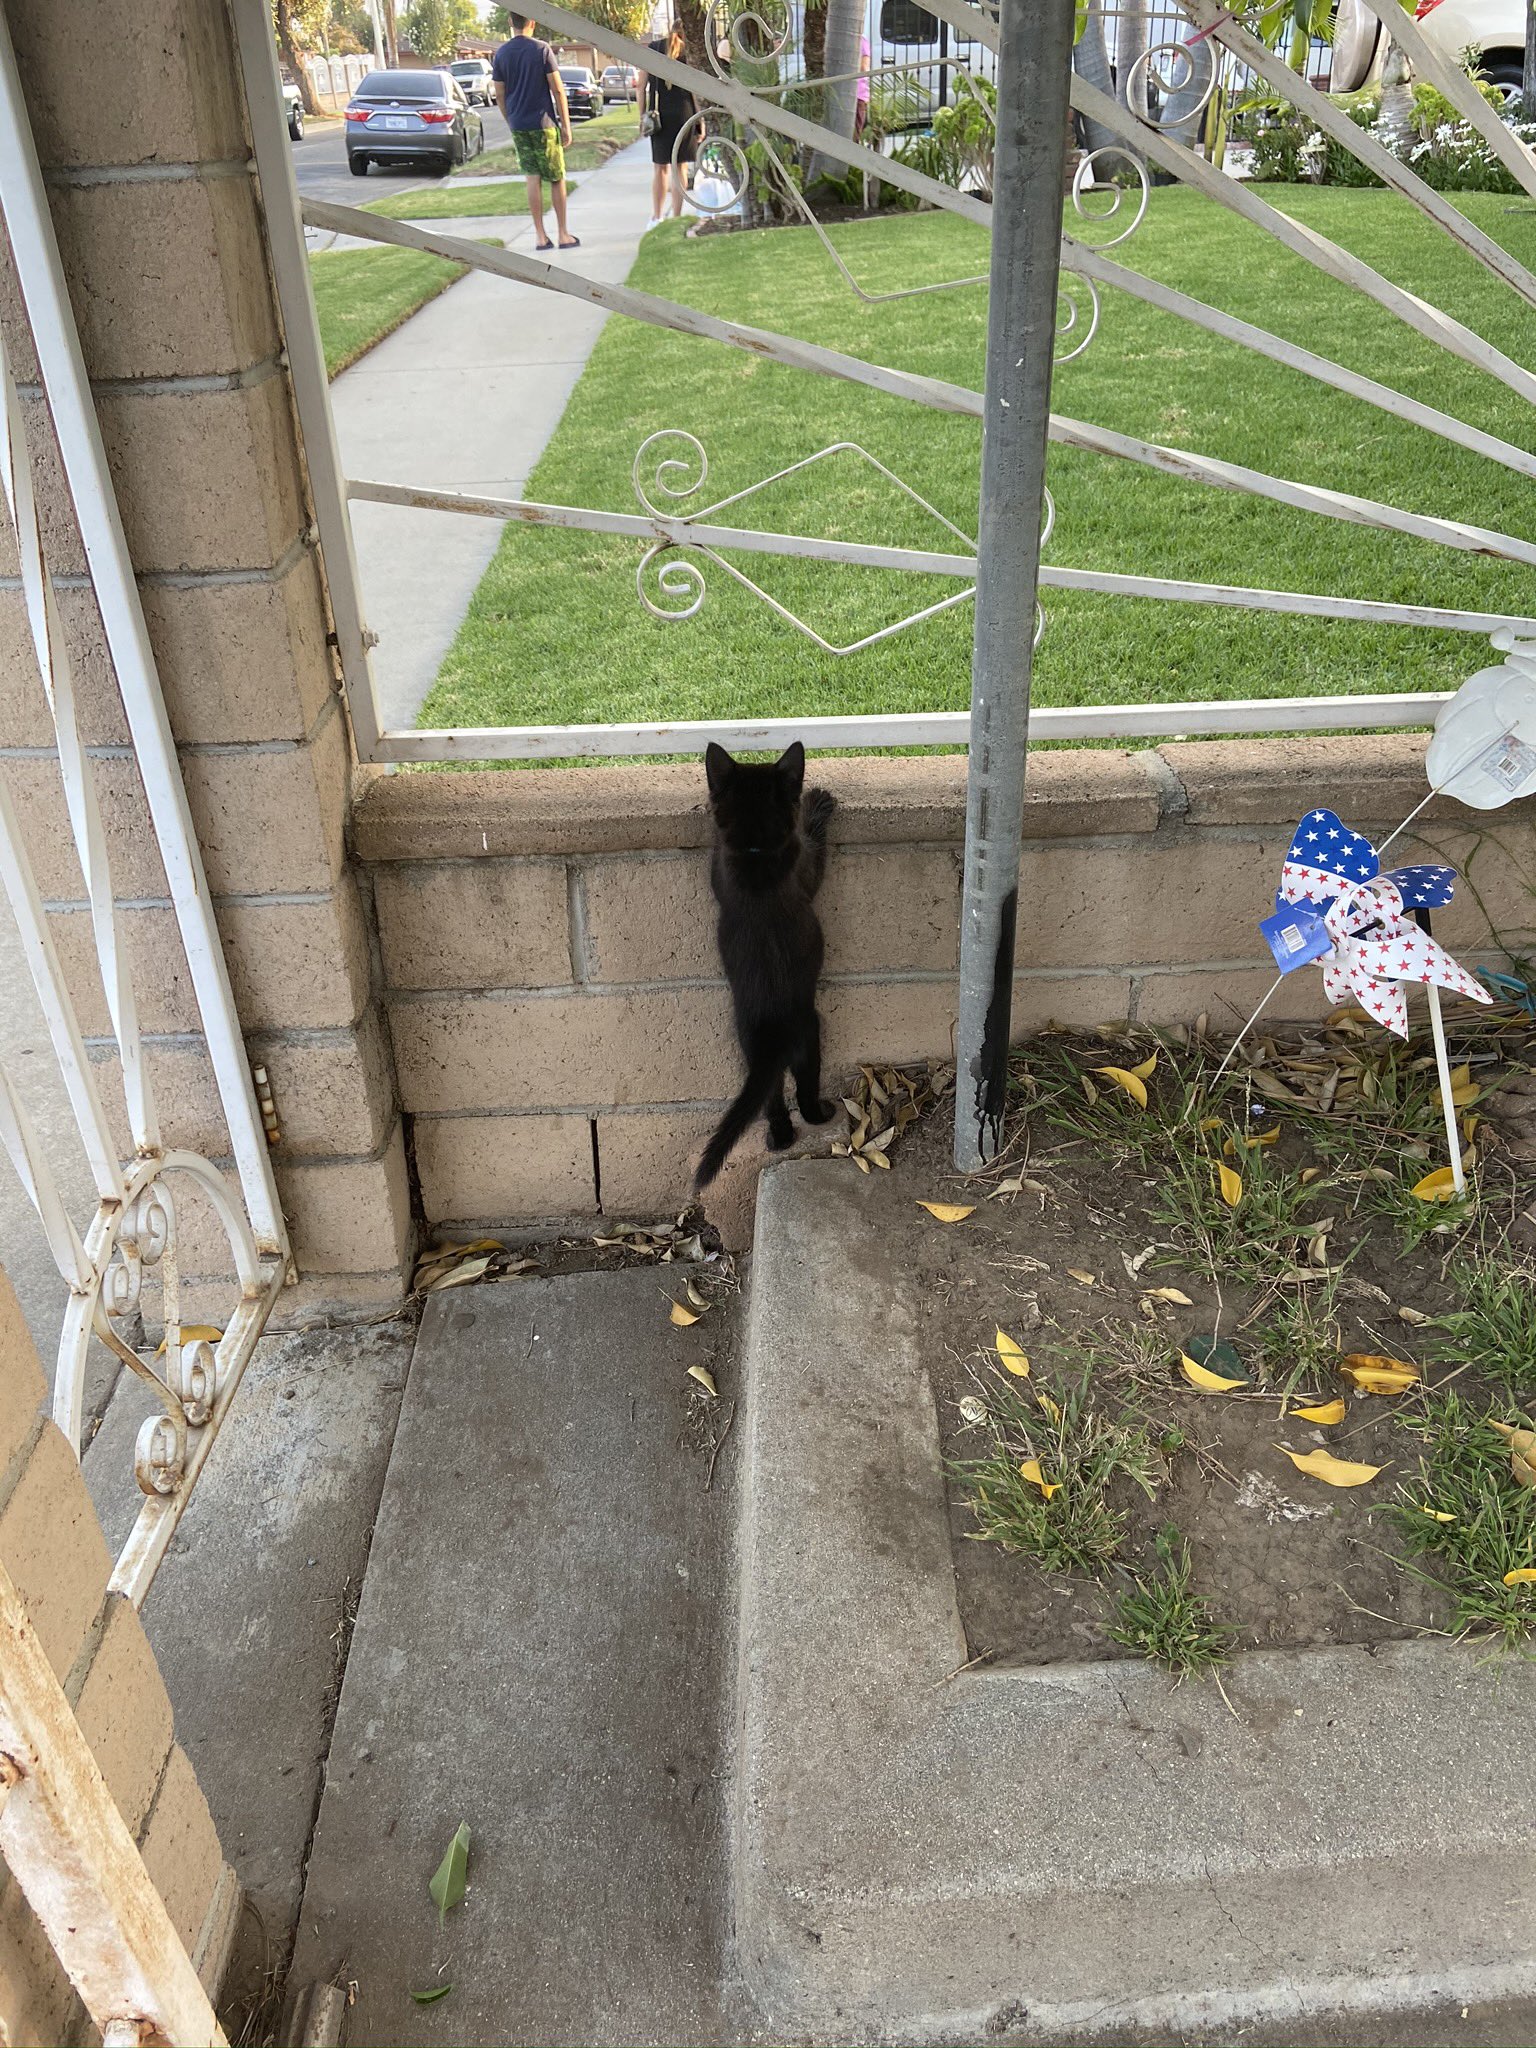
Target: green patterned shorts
{"points": [[539, 154]]}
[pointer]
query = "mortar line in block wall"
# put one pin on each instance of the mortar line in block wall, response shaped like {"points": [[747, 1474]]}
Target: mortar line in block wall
{"points": [[277, 899], [282, 566], [578, 1112], [197, 749], [874, 977], [193, 384], [148, 174]]}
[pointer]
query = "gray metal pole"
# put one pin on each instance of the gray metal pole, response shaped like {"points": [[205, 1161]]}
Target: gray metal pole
{"points": [[1029, 171]]}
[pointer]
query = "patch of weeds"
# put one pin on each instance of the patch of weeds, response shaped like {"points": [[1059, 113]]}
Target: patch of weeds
{"points": [[1059, 1512], [1417, 1221], [1298, 1342], [1164, 1618], [1464, 1473], [1494, 1327], [1258, 1235], [1065, 1081]]}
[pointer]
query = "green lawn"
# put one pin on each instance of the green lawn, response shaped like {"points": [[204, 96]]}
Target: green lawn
{"points": [[555, 633], [618, 124], [457, 202], [363, 294]]}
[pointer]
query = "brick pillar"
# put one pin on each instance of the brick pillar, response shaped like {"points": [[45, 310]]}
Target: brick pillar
{"points": [[139, 125], [52, 1546]]}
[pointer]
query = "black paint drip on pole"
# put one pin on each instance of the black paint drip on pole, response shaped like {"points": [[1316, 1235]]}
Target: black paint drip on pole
{"points": [[1029, 176]]}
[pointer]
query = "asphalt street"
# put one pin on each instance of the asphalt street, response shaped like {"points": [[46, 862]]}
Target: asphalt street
{"points": [[320, 166]]}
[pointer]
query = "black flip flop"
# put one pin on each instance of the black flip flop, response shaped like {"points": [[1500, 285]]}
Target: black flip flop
{"points": [[543, 245], [573, 243]]}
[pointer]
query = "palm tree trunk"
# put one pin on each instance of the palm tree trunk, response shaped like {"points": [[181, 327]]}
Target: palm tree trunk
{"points": [[844, 26], [1090, 60]]}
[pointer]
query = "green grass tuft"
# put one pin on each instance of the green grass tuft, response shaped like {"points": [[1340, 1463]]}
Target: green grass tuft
{"points": [[1464, 1471], [1082, 1453], [1494, 1327], [1163, 1617]]}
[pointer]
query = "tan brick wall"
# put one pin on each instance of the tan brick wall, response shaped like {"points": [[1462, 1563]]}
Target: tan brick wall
{"points": [[162, 236], [561, 1032], [51, 1545]]}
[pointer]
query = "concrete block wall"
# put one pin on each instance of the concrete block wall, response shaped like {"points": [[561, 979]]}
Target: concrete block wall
{"points": [[158, 214], [52, 1546], [561, 1033]]}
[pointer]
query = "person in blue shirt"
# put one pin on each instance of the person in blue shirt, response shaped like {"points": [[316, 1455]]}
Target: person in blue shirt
{"points": [[531, 96]]}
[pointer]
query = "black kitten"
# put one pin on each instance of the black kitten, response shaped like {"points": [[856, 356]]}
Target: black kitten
{"points": [[769, 856]]}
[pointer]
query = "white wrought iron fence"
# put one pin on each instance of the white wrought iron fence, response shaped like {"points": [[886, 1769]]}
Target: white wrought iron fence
{"points": [[106, 1260], [1177, 64]]}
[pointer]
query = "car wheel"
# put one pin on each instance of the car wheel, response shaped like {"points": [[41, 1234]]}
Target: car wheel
{"points": [[1503, 71], [358, 166], [296, 124]]}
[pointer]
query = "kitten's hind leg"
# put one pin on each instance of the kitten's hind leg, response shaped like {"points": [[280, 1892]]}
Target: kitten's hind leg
{"points": [[781, 1132], [807, 1071], [818, 809]]}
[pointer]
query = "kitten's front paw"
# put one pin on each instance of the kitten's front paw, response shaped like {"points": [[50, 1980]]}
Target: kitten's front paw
{"points": [[780, 1140], [819, 1112], [819, 806]]}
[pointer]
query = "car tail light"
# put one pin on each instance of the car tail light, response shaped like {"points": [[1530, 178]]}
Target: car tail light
{"points": [[1425, 7], [436, 116], [359, 113]]}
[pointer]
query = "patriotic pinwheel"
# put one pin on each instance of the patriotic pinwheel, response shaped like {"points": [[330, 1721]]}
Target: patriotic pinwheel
{"points": [[1334, 905]]}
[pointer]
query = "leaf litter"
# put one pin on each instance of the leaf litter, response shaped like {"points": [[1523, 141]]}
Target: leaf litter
{"points": [[1287, 1476]]}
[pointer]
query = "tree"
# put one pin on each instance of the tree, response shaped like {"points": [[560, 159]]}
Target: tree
{"points": [[1528, 78], [435, 28], [299, 26]]}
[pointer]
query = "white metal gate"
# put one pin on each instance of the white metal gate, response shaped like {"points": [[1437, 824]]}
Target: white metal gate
{"points": [[60, 1830]]}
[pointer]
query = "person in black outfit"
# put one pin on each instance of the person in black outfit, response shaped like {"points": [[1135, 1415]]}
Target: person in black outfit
{"points": [[671, 108]]}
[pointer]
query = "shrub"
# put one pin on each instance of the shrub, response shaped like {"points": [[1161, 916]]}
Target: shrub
{"points": [[1446, 152]]}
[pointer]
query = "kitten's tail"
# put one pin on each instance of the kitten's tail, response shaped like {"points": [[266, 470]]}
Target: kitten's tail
{"points": [[761, 1077]]}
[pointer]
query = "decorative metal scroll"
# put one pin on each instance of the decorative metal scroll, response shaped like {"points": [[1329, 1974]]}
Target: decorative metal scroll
{"points": [[133, 1233], [683, 472]]}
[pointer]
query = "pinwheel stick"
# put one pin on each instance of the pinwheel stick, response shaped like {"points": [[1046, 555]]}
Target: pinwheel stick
{"points": [[1443, 1066]]}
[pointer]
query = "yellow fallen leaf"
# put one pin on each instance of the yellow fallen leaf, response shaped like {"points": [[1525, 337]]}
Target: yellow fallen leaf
{"points": [[948, 1212], [1212, 1123], [1525, 1576], [1048, 1405], [706, 1380], [1309, 1174], [1133, 1084], [1169, 1294], [1147, 1069], [1374, 1374], [1325, 1411], [1081, 1276], [1201, 1376], [682, 1316], [1248, 1139], [1464, 1089], [1436, 1514], [1011, 1356], [1439, 1186], [1231, 1185], [1030, 1470], [1331, 1470]]}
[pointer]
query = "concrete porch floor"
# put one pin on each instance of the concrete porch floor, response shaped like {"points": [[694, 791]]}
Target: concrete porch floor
{"points": [[544, 1647]]}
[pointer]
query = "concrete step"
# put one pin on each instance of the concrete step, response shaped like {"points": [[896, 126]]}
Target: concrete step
{"points": [[540, 1651], [1041, 1853]]}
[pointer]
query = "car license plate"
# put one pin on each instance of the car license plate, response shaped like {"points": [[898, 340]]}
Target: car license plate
{"points": [[394, 121]]}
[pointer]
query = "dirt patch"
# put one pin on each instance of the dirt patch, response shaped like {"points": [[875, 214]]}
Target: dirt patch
{"points": [[1337, 1259]]}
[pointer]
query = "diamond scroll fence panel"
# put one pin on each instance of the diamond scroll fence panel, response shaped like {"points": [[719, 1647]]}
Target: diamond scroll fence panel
{"points": [[129, 1251], [1181, 75]]}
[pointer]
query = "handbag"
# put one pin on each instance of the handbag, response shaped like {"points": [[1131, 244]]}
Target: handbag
{"points": [[648, 122]]}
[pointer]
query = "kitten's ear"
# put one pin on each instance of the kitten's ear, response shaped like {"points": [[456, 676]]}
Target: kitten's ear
{"points": [[791, 765], [717, 767]]}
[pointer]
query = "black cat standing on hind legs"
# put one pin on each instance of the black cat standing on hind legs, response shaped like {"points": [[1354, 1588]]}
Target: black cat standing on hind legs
{"points": [[769, 856]]}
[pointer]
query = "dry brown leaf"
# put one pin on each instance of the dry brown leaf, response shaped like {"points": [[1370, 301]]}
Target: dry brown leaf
{"points": [[1169, 1294], [458, 1276], [706, 1380], [1082, 1276], [1414, 1316], [683, 1317]]}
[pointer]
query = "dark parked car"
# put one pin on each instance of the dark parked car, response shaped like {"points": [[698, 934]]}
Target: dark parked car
{"points": [[474, 76], [583, 94], [411, 117]]}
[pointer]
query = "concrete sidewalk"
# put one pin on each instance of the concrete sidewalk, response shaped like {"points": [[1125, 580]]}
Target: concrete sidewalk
{"points": [[465, 396]]}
